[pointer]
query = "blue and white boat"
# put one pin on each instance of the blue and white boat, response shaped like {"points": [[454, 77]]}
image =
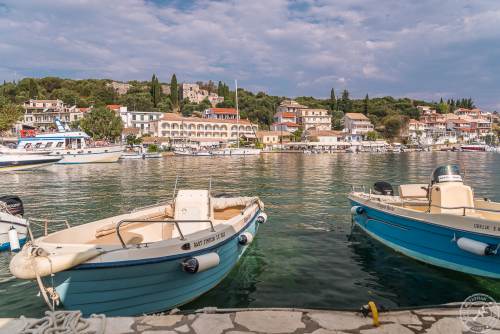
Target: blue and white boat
{"points": [[440, 223], [13, 227], [71, 147], [150, 260]]}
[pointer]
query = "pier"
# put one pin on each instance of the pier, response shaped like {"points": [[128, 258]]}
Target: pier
{"points": [[445, 319]]}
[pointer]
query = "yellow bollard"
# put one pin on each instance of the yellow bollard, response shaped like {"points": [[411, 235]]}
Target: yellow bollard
{"points": [[373, 309]]}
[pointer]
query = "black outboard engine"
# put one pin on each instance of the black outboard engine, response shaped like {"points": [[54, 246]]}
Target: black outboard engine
{"points": [[383, 188], [447, 173], [13, 204]]}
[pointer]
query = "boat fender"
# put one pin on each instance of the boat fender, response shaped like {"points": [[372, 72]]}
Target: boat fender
{"points": [[262, 218], [357, 210], [475, 247], [14, 240], [200, 263], [245, 238]]}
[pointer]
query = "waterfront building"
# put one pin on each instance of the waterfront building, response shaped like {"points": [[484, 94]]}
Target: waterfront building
{"points": [[195, 94], [324, 136], [287, 127], [179, 129], [314, 118], [357, 125], [285, 121], [268, 138], [135, 119], [41, 114], [220, 113], [290, 106]]}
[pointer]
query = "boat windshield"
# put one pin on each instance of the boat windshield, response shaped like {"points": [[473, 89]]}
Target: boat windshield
{"points": [[448, 173]]}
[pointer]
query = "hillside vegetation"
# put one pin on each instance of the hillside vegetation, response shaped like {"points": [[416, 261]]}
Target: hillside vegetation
{"points": [[387, 113]]}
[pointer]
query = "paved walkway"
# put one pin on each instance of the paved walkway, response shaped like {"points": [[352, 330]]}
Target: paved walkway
{"points": [[213, 321]]}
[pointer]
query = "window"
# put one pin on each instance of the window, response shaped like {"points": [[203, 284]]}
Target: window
{"points": [[28, 145], [38, 145], [60, 144], [142, 117], [150, 117], [48, 145], [133, 117]]}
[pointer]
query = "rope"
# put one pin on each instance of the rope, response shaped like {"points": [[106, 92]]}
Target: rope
{"points": [[63, 322]]}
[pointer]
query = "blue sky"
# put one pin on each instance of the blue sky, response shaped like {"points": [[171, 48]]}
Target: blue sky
{"points": [[419, 49]]}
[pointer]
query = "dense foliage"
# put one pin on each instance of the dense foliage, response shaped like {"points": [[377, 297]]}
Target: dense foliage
{"points": [[101, 124], [388, 114], [9, 114]]}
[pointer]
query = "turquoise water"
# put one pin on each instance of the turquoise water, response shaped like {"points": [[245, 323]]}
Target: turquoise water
{"points": [[301, 258]]}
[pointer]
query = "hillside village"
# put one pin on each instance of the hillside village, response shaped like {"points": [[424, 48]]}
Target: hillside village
{"points": [[201, 117]]}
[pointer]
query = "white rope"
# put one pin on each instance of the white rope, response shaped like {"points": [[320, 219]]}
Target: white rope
{"points": [[63, 322]]}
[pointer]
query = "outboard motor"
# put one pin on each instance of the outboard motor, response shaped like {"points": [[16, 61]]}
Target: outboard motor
{"points": [[383, 188], [447, 173], [13, 204]]}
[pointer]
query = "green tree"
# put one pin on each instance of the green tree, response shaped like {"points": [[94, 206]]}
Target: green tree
{"points": [[155, 91], [10, 113], [392, 126], [366, 102], [371, 135], [333, 100], [101, 123], [345, 102], [33, 89], [174, 93], [132, 140]]}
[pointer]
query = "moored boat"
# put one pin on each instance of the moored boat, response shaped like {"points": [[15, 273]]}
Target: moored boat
{"points": [[474, 147], [15, 162], [440, 223], [236, 151], [13, 227], [150, 260]]}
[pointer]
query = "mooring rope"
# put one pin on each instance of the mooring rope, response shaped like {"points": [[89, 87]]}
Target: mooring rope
{"points": [[63, 322]]}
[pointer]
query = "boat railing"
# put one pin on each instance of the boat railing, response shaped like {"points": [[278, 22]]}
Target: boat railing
{"points": [[463, 208], [44, 225], [151, 206], [176, 223], [358, 188]]}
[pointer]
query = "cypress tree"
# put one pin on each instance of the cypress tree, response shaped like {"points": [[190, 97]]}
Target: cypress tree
{"points": [[333, 100], [174, 93], [365, 104], [345, 101], [155, 90]]}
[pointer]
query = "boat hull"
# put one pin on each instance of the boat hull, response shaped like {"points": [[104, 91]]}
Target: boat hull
{"points": [[25, 162], [237, 151], [6, 222], [427, 241], [101, 155], [125, 289]]}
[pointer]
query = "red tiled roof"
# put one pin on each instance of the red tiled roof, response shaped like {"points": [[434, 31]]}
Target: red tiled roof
{"points": [[285, 114], [224, 111], [113, 106], [130, 131]]}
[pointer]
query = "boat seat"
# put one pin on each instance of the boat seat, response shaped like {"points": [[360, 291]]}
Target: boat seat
{"points": [[452, 195], [409, 191], [192, 205]]}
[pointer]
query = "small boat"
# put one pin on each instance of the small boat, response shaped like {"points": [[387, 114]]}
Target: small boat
{"points": [[474, 147], [16, 162], [150, 260], [192, 152], [13, 227], [236, 151], [440, 223]]}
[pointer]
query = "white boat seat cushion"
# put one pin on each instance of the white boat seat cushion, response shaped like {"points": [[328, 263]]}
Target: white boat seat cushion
{"points": [[413, 190]]}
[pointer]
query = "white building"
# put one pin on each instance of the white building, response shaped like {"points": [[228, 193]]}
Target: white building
{"points": [[314, 118], [179, 129], [41, 113], [357, 125], [136, 119]]}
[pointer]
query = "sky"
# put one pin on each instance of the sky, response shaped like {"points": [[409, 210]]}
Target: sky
{"points": [[418, 49]]}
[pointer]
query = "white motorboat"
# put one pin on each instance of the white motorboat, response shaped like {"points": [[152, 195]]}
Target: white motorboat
{"points": [[236, 151], [16, 162], [71, 147], [150, 260], [13, 227], [192, 152]]}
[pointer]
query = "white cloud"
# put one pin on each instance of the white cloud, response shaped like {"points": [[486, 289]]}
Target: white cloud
{"points": [[293, 48]]}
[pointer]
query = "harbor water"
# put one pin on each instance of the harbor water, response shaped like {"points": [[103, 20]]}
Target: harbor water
{"points": [[306, 256]]}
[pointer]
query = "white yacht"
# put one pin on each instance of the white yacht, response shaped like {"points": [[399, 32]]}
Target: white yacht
{"points": [[72, 147]]}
